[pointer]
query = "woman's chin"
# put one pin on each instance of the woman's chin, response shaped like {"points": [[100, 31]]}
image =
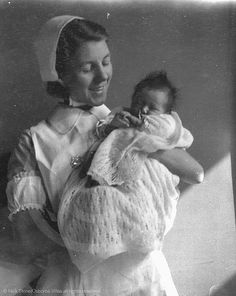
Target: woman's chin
{"points": [[98, 100]]}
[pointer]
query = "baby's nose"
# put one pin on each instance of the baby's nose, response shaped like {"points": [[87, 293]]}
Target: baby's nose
{"points": [[145, 109]]}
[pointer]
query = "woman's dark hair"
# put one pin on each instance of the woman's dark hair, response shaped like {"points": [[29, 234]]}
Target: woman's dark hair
{"points": [[71, 38], [157, 80]]}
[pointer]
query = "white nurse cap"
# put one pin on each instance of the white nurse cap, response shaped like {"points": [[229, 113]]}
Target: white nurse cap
{"points": [[46, 46]]}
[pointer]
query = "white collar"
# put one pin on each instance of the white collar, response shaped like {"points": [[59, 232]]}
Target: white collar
{"points": [[63, 119]]}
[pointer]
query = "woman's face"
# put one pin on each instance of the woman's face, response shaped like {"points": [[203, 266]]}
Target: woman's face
{"points": [[89, 73]]}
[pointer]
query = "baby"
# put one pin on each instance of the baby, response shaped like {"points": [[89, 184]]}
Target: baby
{"points": [[153, 101], [134, 203], [154, 95]]}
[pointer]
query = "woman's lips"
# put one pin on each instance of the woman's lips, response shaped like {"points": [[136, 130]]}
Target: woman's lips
{"points": [[98, 89]]}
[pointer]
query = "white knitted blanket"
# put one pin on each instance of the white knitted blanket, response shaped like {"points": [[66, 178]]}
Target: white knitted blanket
{"points": [[135, 214], [120, 156]]}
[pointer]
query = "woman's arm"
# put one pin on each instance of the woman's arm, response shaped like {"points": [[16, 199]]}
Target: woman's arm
{"points": [[181, 163], [34, 235]]}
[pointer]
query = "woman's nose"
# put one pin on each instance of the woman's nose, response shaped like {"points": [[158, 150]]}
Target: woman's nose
{"points": [[101, 74]]}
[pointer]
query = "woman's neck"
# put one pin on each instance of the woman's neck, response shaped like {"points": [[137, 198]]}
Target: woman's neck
{"points": [[74, 103]]}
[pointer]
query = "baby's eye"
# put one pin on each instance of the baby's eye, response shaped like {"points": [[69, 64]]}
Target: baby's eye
{"points": [[154, 108]]}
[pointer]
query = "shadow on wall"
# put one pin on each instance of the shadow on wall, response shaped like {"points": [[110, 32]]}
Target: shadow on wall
{"points": [[227, 288], [192, 42], [233, 129]]}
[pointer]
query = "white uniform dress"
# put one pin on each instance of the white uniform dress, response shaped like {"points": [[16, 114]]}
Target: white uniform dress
{"points": [[38, 170], [114, 231]]}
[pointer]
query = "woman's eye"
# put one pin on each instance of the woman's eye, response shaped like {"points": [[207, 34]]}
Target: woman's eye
{"points": [[86, 68], [106, 62]]}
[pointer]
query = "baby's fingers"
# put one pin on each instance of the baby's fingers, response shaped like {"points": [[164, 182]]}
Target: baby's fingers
{"points": [[120, 120], [135, 121]]}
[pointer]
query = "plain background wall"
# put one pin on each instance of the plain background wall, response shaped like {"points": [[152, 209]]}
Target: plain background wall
{"points": [[193, 42]]}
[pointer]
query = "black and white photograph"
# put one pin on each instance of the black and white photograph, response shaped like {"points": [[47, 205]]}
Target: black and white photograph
{"points": [[118, 147]]}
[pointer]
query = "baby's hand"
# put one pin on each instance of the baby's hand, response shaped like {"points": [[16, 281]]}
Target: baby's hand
{"points": [[120, 120], [124, 119], [135, 121]]}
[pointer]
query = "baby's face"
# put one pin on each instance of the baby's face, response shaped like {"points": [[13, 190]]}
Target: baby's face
{"points": [[151, 101]]}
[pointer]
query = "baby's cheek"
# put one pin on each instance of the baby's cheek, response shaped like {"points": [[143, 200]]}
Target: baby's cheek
{"points": [[134, 111]]}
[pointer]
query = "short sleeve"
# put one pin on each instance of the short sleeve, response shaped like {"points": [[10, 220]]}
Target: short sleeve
{"points": [[25, 188]]}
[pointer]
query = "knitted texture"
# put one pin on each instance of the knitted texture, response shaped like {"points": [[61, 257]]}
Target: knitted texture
{"points": [[120, 156], [106, 220], [135, 214]]}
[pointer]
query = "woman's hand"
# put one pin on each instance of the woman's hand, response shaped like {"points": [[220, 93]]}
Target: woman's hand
{"points": [[34, 235]]}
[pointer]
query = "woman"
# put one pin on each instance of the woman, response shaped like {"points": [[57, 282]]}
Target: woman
{"points": [[75, 64]]}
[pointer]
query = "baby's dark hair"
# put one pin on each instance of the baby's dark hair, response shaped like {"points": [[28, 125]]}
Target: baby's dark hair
{"points": [[157, 80]]}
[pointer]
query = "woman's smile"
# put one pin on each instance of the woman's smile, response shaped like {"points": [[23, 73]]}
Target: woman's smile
{"points": [[98, 89]]}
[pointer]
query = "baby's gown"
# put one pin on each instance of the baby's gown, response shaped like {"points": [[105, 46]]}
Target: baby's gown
{"points": [[114, 232]]}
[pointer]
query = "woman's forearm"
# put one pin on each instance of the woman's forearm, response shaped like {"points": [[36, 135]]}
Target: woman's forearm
{"points": [[34, 235], [181, 163]]}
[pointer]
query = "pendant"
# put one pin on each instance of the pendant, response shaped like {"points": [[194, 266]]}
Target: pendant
{"points": [[75, 161]]}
